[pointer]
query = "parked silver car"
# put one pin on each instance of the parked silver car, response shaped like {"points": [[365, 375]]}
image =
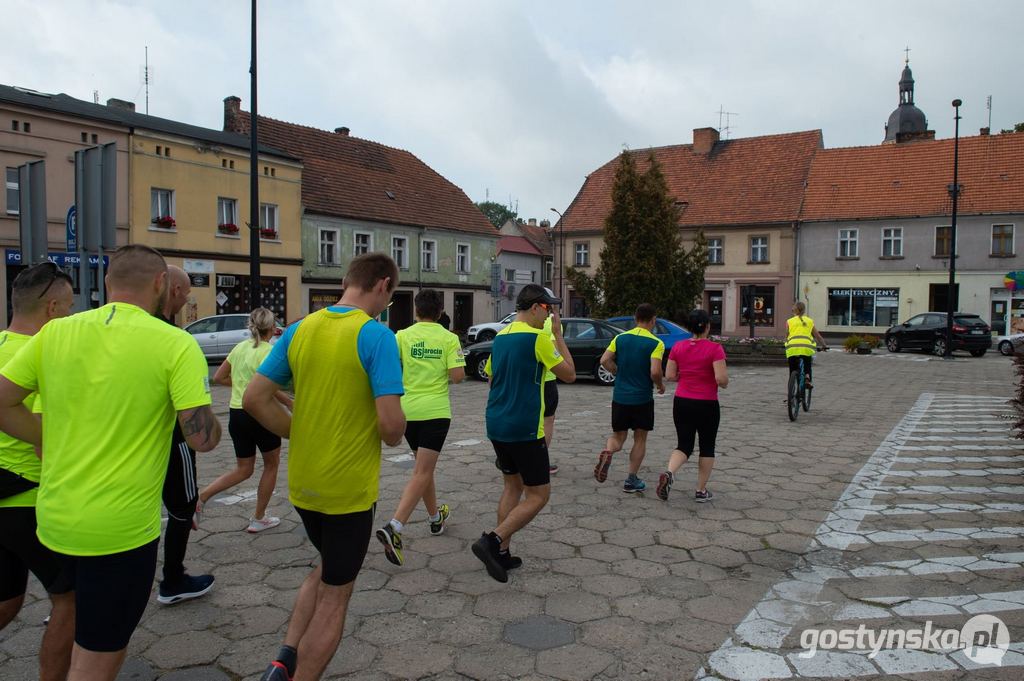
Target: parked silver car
{"points": [[1010, 344], [218, 334]]}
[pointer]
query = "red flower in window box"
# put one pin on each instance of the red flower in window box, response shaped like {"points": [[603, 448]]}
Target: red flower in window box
{"points": [[164, 221], [227, 228], [268, 233]]}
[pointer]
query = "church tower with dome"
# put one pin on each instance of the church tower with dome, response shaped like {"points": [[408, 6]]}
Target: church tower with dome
{"points": [[907, 123]]}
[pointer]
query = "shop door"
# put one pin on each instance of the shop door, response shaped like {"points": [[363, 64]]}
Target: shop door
{"points": [[714, 307], [577, 305], [462, 315], [400, 312], [999, 315]]}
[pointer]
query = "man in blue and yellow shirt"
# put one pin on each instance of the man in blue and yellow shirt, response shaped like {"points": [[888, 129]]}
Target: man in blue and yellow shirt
{"points": [[520, 356], [635, 359], [348, 387]]}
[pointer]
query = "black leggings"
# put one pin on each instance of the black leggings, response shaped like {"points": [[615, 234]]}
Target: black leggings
{"points": [[696, 418], [794, 364]]}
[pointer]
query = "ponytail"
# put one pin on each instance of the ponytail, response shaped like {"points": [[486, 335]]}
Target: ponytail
{"points": [[261, 322]]}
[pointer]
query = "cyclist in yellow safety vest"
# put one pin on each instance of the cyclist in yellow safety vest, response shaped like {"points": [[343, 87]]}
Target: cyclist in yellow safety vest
{"points": [[800, 340]]}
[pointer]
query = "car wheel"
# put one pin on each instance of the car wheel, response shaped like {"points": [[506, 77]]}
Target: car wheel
{"points": [[603, 376], [978, 353], [485, 335], [892, 343], [1006, 348], [481, 368], [939, 347]]}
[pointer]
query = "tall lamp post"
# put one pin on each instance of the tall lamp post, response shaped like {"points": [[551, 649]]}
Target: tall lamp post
{"points": [[561, 251], [954, 192], [254, 187]]}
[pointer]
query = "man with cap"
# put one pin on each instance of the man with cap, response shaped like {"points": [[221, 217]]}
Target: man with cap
{"points": [[520, 356]]}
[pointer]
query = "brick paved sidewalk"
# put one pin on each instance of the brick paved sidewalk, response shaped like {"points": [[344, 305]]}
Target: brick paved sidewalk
{"points": [[613, 585]]}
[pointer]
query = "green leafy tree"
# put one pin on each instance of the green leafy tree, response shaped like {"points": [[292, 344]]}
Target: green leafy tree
{"points": [[498, 214], [1019, 127], [643, 259]]}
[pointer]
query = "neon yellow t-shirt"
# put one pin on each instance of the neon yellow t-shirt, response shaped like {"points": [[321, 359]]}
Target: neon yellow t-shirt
{"points": [[16, 455], [111, 382], [427, 351], [245, 360], [549, 375]]}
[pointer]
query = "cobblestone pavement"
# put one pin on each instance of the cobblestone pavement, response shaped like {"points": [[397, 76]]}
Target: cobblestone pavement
{"points": [[896, 499]]}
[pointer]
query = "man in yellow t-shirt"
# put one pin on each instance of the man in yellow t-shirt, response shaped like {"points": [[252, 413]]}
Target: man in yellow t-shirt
{"points": [[348, 387], [39, 294], [111, 382], [431, 357]]}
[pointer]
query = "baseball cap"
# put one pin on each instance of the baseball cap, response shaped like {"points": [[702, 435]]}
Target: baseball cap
{"points": [[531, 294]]}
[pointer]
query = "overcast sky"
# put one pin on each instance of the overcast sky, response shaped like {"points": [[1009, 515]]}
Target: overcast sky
{"points": [[519, 100]]}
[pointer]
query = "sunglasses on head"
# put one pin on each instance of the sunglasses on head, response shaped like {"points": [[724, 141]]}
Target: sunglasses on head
{"points": [[52, 270]]}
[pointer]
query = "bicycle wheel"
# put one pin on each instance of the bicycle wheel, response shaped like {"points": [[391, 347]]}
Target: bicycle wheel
{"points": [[793, 396], [807, 398]]}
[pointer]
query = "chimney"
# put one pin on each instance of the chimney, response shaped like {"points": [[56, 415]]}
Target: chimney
{"points": [[704, 140], [342, 131], [985, 131], [232, 112], [545, 224], [532, 222], [121, 104]]}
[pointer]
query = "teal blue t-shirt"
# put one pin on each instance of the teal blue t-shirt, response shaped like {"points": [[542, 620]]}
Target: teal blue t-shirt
{"points": [[634, 351], [519, 358]]}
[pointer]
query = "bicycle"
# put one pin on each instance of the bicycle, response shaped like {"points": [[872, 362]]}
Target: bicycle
{"points": [[798, 394]]}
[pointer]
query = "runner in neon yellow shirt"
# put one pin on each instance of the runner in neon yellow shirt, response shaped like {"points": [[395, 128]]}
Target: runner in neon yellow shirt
{"points": [[38, 294], [431, 357], [111, 381], [246, 432]]}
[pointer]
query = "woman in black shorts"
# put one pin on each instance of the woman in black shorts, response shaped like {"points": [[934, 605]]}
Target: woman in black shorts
{"points": [[246, 433]]}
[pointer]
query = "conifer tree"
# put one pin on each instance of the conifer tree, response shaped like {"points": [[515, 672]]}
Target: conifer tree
{"points": [[643, 259]]}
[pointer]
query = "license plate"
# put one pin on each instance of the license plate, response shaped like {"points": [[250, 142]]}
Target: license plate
{"points": [[977, 332]]}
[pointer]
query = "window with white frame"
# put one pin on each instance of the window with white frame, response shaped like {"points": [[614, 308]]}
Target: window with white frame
{"points": [[462, 260], [161, 207], [400, 251], [268, 220], [329, 254], [716, 254], [428, 255], [1002, 240], [362, 243], [549, 271], [13, 194], [510, 274], [942, 241], [227, 212], [582, 254], [892, 242], [848, 246], [758, 249]]}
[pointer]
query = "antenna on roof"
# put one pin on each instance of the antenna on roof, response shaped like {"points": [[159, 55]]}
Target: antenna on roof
{"points": [[95, 96], [727, 129], [988, 105], [146, 75]]}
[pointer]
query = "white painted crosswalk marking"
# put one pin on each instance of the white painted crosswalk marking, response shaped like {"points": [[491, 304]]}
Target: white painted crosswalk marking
{"points": [[956, 425]]}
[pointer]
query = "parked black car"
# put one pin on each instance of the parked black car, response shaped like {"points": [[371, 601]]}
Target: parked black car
{"points": [[587, 339], [927, 331]]}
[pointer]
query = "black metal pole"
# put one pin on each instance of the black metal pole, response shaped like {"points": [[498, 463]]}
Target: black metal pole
{"points": [[254, 185], [561, 253], [954, 191]]}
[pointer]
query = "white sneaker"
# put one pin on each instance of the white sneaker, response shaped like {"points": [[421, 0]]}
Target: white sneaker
{"points": [[265, 524]]}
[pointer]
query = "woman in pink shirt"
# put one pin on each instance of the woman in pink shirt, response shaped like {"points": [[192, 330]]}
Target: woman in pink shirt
{"points": [[699, 365]]}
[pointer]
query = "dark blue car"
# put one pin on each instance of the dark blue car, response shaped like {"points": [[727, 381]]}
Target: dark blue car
{"points": [[667, 332]]}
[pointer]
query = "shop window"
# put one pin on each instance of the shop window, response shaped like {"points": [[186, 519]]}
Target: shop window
{"points": [[863, 307], [759, 301]]}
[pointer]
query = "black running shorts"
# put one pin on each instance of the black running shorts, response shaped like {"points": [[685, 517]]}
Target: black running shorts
{"points": [[527, 459], [342, 541], [111, 593], [429, 434], [632, 416], [550, 397], [247, 435], [21, 551]]}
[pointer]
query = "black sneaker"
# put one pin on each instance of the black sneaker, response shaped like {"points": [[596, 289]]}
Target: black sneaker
{"points": [[486, 548], [509, 561], [392, 542], [276, 671], [665, 481], [438, 527], [703, 497], [188, 588]]}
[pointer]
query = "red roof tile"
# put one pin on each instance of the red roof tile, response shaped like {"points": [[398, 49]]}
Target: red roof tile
{"points": [[349, 177], [517, 244], [538, 236], [907, 180], [753, 180]]}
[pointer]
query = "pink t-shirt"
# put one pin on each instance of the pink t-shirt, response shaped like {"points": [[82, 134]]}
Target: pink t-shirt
{"points": [[694, 359]]}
